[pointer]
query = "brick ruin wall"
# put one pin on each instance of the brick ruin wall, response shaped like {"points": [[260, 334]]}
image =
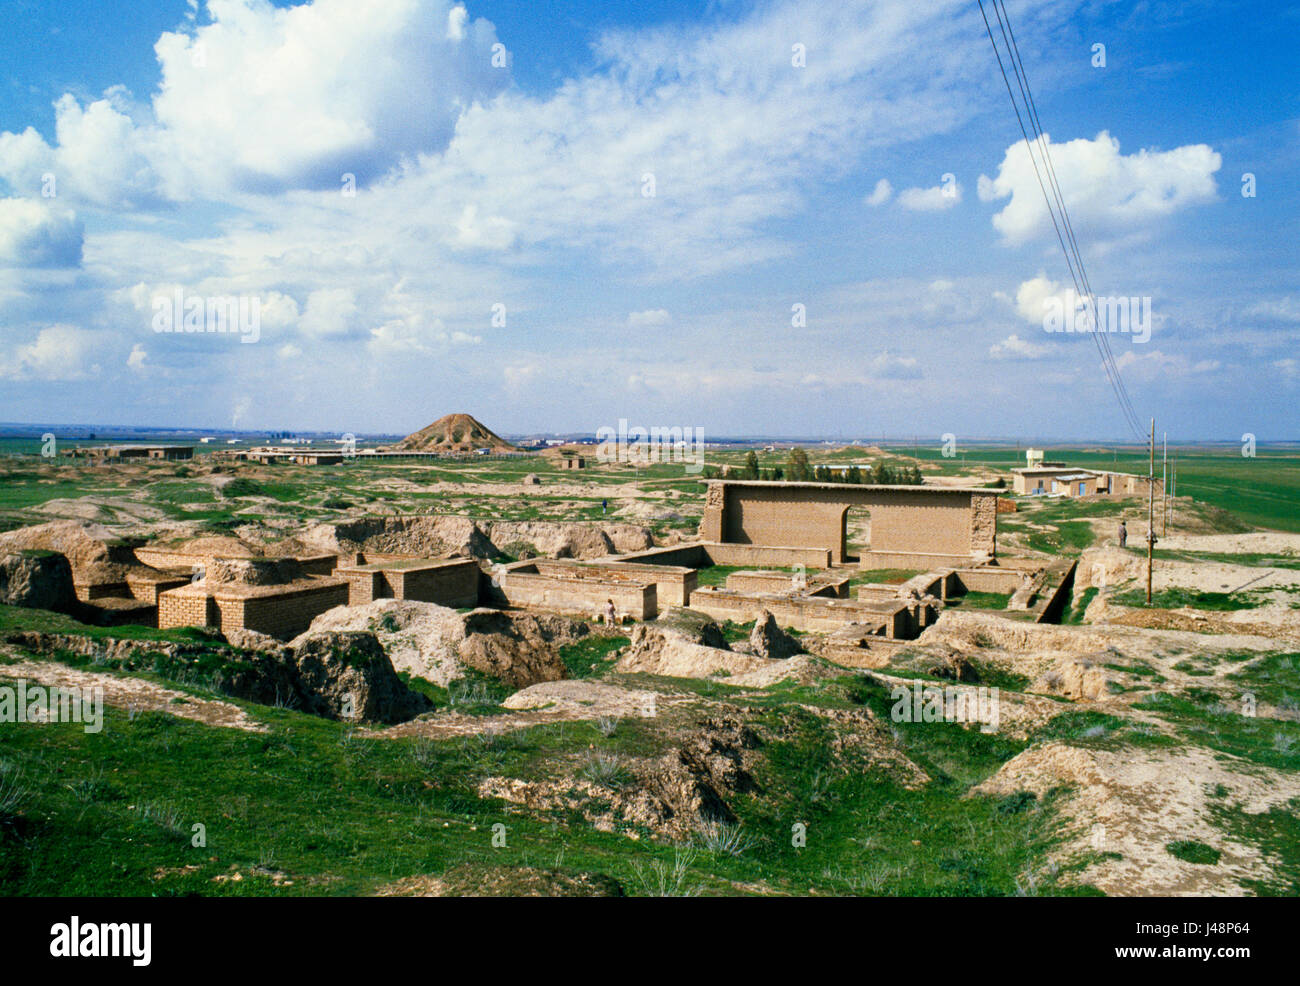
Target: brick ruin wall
{"points": [[453, 584], [525, 586], [282, 614], [921, 522], [701, 554], [185, 607], [889, 618], [673, 583], [363, 587]]}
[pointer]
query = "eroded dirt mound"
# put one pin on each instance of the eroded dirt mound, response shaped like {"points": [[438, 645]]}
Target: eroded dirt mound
{"points": [[95, 553], [37, 579], [574, 698], [217, 544], [434, 537], [692, 626], [1132, 804], [1107, 566], [672, 796], [519, 649], [461, 537], [655, 651], [455, 433], [346, 675], [767, 639], [253, 571], [135, 694], [437, 643]]}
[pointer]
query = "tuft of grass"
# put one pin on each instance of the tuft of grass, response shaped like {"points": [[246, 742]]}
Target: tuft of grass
{"points": [[724, 838], [606, 769], [659, 879], [1191, 851]]}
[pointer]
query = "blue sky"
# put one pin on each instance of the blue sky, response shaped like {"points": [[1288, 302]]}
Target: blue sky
{"points": [[504, 153]]}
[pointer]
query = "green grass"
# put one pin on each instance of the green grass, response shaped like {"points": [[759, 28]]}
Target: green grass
{"points": [[887, 576], [592, 656], [1277, 833], [313, 807], [18, 618], [1191, 851], [1261, 491], [981, 600], [1272, 678], [1220, 722], [1079, 603], [1065, 537], [1176, 598]]}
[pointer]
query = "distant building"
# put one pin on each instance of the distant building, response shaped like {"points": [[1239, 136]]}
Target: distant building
{"points": [[1041, 478], [167, 453]]}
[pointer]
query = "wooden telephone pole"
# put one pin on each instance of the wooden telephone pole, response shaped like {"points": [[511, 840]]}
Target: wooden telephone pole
{"points": [[1151, 508]]}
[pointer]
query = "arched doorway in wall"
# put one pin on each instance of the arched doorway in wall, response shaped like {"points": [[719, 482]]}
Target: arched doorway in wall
{"points": [[856, 533]]}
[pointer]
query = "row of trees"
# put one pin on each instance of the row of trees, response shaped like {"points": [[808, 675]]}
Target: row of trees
{"points": [[797, 469]]}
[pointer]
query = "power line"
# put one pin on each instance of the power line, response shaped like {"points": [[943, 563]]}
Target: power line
{"points": [[1063, 226], [1046, 151], [1100, 339]]}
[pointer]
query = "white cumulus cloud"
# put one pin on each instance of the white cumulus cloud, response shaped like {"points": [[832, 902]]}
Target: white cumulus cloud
{"points": [[33, 234], [935, 199], [1104, 191], [880, 194]]}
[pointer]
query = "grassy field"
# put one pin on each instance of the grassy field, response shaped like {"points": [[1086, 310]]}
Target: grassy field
{"points": [[318, 807]]}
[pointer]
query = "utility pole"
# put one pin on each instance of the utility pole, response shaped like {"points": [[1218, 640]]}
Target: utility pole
{"points": [[1151, 508], [1164, 487]]}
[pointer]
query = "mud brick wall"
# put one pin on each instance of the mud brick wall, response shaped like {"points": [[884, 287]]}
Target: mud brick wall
{"points": [[891, 618], [282, 614], [687, 555], [704, 553], [984, 524], [363, 587], [86, 591], [453, 583], [774, 582], [673, 583], [767, 556], [147, 589], [524, 587], [906, 519], [187, 606], [990, 579], [834, 588]]}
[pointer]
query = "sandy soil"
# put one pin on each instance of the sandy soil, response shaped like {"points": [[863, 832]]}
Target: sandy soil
{"points": [[1136, 802], [134, 693], [551, 701]]}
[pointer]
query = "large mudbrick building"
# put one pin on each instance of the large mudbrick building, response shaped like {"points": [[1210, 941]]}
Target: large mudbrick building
{"points": [[911, 526]]}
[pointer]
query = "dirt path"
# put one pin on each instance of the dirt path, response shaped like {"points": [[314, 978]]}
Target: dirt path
{"points": [[133, 693], [570, 700]]}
